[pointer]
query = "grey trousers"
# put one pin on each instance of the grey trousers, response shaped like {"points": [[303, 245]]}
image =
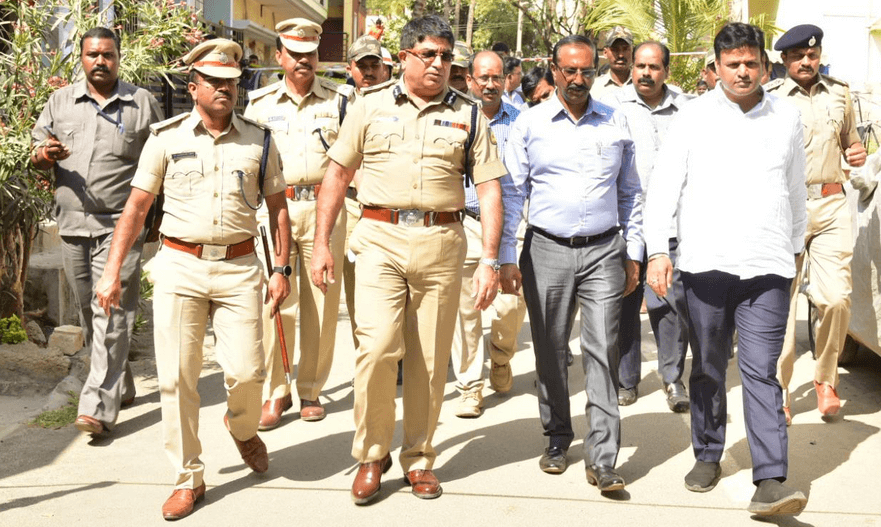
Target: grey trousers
{"points": [[110, 378], [557, 279]]}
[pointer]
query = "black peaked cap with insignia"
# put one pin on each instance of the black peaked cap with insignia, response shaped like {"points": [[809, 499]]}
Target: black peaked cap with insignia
{"points": [[803, 36]]}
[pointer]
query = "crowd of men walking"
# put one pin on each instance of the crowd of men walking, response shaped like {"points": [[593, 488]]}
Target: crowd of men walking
{"points": [[436, 171]]}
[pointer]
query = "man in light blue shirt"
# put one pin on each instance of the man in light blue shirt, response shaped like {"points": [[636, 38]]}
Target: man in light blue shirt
{"points": [[486, 81], [650, 106], [574, 159]]}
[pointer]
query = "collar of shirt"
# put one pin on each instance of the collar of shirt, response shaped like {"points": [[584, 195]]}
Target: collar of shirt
{"points": [[606, 80], [316, 89], [446, 95], [723, 100], [555, 110], [506, 111], [629, 94], [122, 91], [195, 120], [790, 86]]}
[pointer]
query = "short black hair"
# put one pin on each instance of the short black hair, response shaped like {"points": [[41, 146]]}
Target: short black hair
{"points": [[418, 29], [100, 32], [501, 47], [511, 64], [665, 51], [474, 57], [736, 35], [575, 39], [532, 78], [702, 83]]}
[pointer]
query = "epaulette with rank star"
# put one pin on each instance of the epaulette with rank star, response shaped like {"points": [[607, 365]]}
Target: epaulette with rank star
{"points": [[454, 94], [252, 121], [253, 95], [343, 89], [157, 127], [834, 80], [380, 86]]}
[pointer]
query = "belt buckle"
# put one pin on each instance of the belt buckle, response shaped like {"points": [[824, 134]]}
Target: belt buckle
{"points": [[815, 191], [304, 192], [213, 253], [409, 217]]}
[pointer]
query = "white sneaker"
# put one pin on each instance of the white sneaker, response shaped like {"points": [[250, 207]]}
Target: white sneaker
{"points": [[470, 404]]}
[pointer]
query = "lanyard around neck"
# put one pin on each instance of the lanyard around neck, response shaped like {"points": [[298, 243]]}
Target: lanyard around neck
{"points": [[115, 122]]}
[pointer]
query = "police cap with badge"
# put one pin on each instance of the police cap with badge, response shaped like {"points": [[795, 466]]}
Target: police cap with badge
{"points": [[299, 35], [619, 33], [217, 57], [803, 36]]}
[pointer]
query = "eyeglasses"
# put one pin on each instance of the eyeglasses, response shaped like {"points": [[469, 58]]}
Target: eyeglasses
{"points": [[483, 80], [427, 56], [587, 73], [217, 82]]}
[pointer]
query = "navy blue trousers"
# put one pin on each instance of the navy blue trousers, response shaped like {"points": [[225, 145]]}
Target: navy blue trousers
{"points": [[758, 307]]}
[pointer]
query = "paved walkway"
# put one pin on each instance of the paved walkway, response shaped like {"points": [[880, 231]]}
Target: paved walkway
{"points": [[488, 466]]}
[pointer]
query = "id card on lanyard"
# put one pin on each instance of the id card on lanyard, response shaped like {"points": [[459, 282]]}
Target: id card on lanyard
{"points": [[120, 128]]}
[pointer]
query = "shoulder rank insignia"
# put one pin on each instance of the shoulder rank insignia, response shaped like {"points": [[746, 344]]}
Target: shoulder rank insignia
{"points": [[157, 127]]}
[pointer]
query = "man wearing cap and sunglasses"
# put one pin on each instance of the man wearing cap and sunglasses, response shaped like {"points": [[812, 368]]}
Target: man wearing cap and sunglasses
{"points": [[830, 136], [304, 113], [416, 138], [207, 164]]}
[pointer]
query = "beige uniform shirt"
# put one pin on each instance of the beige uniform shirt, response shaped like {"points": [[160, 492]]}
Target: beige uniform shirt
{"points": [[200, 174], [829, 124], [414, 159], [304, 128], [604, 86]]}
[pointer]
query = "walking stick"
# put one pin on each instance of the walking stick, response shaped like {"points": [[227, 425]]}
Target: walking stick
{"points": [[279, 327]]}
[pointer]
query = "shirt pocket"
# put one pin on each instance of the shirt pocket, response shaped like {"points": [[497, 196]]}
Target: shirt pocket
{"points": [[124, 145], [609, 156], [381, 138], [445, 142], [244, 180], [185, 177], [325, 132], [71, 135]]}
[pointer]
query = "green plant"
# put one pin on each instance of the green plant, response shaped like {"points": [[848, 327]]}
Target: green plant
{"points": [[11, 331], [56, 419], [145, 296], [39, 43]]}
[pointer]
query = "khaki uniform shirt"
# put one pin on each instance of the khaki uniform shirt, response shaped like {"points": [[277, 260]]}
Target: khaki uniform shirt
{"points": [[829, 124], [203, 200], [604, 86], [414, 159], [303, 128], [92, 185]]}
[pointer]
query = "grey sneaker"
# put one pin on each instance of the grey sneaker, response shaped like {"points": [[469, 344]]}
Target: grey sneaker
{"points": [[772, 498], [703, 477]]}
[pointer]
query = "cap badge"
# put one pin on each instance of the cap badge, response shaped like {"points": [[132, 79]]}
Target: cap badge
{"points": [[812, 42], [301, 33], [222, 58]]}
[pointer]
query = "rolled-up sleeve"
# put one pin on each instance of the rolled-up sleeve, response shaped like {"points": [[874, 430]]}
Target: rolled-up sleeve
{"points": [[151, 166], [348, 150]]}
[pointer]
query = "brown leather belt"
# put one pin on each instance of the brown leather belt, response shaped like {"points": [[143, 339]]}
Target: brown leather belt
{"points": [[410, 217], [302, 192], [205, 251], [824, 190]]}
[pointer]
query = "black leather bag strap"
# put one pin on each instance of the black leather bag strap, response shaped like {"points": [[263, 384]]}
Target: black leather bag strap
{"points": [[469, 177], [267, 135]]}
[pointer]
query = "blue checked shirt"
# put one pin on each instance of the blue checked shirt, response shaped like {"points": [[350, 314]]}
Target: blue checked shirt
{"points": [[500, 125]]}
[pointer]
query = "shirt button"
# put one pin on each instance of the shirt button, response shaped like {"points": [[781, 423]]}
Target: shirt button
{"points": [[415, 185], [417, 136], [216, 169], [216, 194], [215, 222]]}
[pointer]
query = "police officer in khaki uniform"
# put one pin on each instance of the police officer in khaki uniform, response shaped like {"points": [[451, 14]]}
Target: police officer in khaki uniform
{"points": [[459, 70], [619, 52], [304, 113], [414, 138], [206, 163], [830, 133], [367, 68]]}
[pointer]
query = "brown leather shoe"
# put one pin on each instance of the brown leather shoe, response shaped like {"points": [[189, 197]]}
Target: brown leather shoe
{"points": [[270, 417], [311, 410], [424, 484], [181, 502], [827, 399], [253, 450], [90, 425], [367, 482]]}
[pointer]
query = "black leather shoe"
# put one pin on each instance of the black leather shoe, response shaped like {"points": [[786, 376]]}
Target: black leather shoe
{"points": [[553, 461], [605, 478], [773, 498], [703, 476], [627, 396], [677, 397]]}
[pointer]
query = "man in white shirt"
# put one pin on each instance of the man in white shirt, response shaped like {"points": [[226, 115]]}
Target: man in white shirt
{"points": [[738, 189]]}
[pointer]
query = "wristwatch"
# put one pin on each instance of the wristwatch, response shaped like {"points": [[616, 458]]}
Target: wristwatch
{"points": [[492, 262], [285, 271]]}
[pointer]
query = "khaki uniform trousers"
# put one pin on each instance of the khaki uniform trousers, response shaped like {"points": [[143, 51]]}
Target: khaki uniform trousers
{"points": [[829, 249], [507, 318], [413, 272], [318, 312], [353, 214], [187, 291]]}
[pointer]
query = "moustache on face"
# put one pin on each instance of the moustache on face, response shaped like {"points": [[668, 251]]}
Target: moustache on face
{"points": [[104, 69], [490, 91], [646, 81], [576, 88]]}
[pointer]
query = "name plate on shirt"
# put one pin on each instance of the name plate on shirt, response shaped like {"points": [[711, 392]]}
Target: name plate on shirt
{"points": [[386, 119], [451, 124], [182, 155], [277, 123]]}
